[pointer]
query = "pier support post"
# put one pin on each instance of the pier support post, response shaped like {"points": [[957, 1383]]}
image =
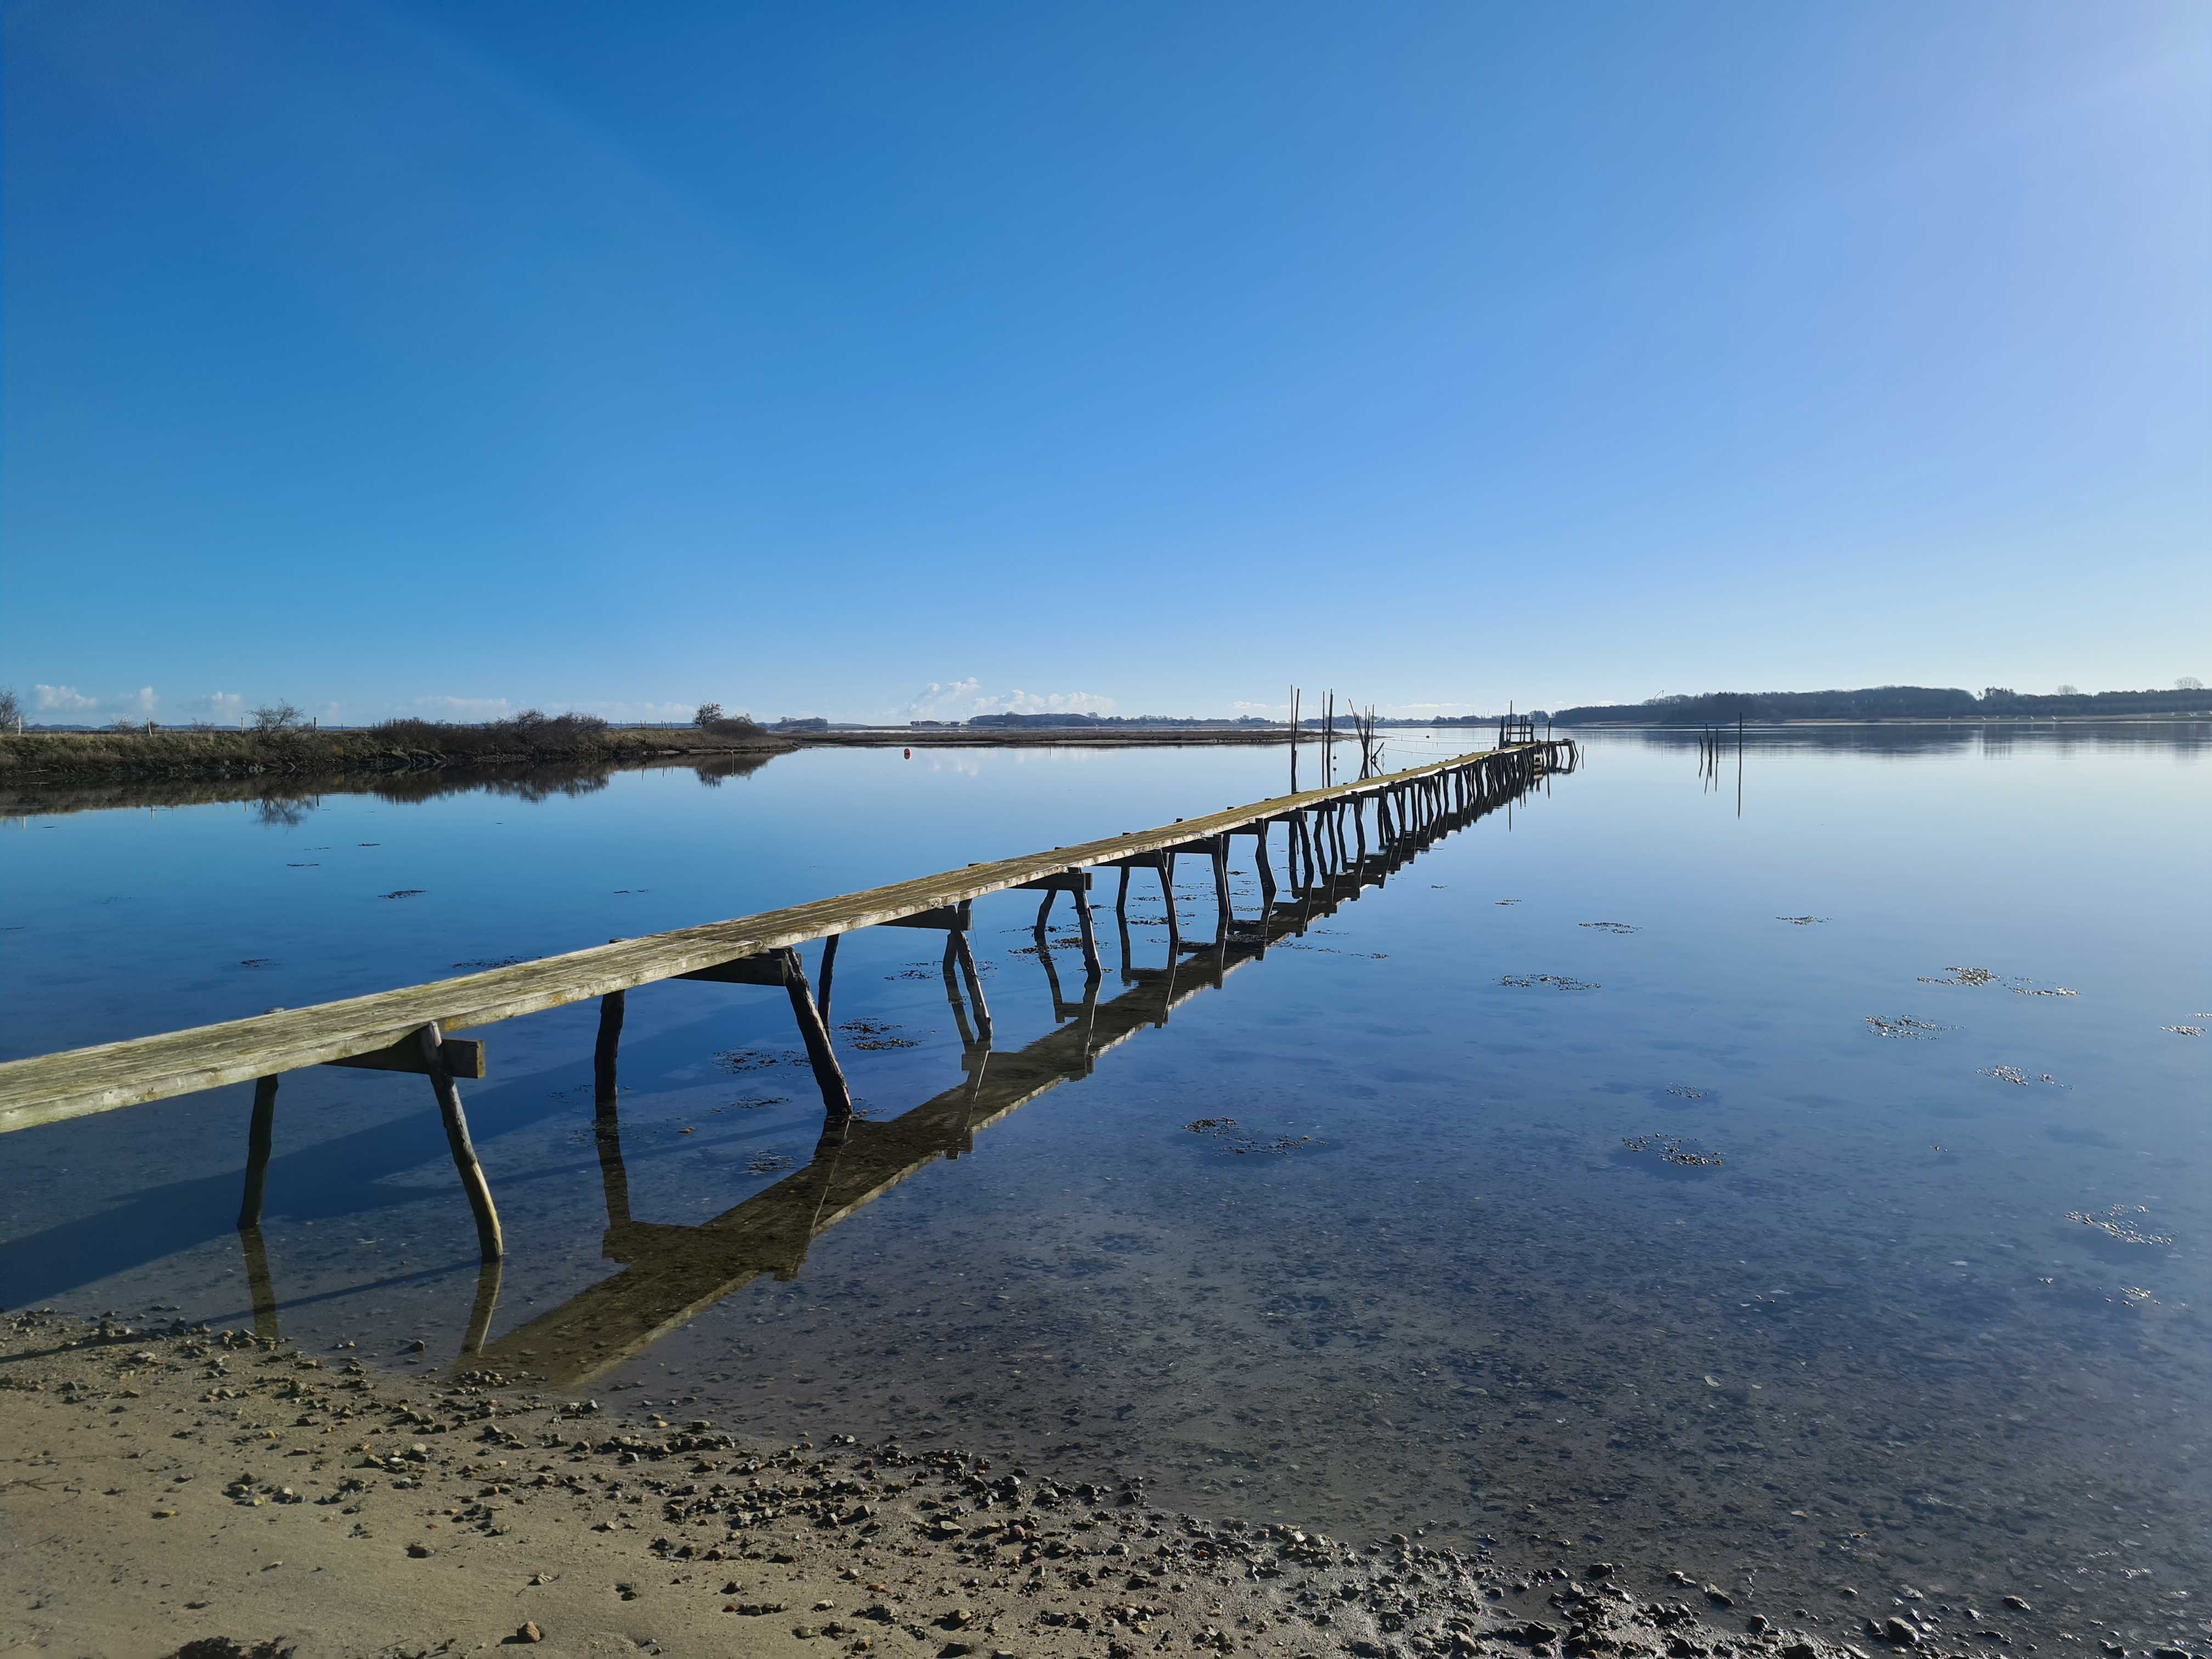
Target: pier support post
{"points": [[259, 1136], [489, 1240], [259, 1286], [480, 1310], [829, 967], [1222, 910], [603, 1052], [1092, 968], [1267, 868], [836, 1099]]}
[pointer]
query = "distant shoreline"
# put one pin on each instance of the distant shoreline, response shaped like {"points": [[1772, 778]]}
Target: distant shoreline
{"points": [[67, 756]]}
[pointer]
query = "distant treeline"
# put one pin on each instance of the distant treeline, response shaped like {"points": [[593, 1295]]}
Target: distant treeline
{"points": [[1878, 702], [529, 738]]}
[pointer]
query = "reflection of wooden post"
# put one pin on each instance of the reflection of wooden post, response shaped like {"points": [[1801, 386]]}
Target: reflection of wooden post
{"points": [[836, 1099], [614, 1179], [259, 1138], [489, 1242], [257, 1283], [953, 999], [974, 984], [604, 1087]]}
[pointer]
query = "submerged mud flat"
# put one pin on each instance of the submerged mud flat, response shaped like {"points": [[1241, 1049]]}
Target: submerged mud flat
{"points": [[175, 1486]]}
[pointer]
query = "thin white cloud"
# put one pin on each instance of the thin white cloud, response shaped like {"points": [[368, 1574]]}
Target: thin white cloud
{"points": [[73, 705], [960, 699], [464, 708]]}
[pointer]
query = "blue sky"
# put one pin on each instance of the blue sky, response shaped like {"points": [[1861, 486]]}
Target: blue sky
{"points": [[884, 361]]}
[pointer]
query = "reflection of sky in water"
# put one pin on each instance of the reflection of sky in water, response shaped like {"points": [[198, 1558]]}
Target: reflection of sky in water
{"points": [[1867, 1347]]}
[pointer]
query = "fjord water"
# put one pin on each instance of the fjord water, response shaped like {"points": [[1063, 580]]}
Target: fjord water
{"points": [[1582, 1188]]}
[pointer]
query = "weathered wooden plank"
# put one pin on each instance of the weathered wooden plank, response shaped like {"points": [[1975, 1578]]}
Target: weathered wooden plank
{"points": [[464, 1057], [746, 970], [948, 918], [53, 1088]]}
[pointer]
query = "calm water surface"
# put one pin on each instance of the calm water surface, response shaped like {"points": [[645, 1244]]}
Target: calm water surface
{"points": [[1579, 1187]]}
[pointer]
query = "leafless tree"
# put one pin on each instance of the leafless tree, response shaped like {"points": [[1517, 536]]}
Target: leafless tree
{"points": [[2186, 683], [277, 717], [11, 709]]}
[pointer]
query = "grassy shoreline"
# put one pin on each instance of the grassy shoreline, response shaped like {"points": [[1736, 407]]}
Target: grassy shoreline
{"points": [[60, 756]]}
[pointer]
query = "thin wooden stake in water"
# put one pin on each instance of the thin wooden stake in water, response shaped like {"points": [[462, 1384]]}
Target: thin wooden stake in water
{"points": [[258, 1137], [490, 1243]]}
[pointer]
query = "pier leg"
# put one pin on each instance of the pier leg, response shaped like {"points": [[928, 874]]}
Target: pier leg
{"points": [[1267, 869], [1168, 898], [1044, 909], [953, 1000], [1359, 825], [1122, 898], [836, 1099], [829, 967], [975, 984], [489, 1240], [480, 1310], [1221, 906], [614, 1178], [603, 1052], [258, 1137], [1091, 967], [259, 1284]]}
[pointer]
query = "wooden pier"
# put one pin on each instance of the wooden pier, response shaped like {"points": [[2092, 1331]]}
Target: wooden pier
{"points": [[409, 1030]]}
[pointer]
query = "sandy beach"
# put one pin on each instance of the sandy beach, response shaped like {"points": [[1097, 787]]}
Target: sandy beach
{"points": [[173, 1491]]}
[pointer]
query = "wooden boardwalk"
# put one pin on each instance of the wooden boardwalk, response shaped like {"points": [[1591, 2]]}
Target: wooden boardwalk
{"points": [[409, 1030], [669, 1274]]}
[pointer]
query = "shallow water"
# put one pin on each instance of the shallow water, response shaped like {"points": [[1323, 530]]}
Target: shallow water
{"points": [[1586, 1187]]}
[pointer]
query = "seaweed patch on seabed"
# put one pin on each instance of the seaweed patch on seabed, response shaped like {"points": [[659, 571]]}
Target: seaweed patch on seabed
{"points": [[404, 892], [1903, 1026], [2183, 1030], [1684, 1091], [755, 1060], [1667, 1150], [872, 1033], [2115, 1226], [1610, 926], [2013, 1074], [1225, 1130], [1982, 976], [1803, 921], [1555, 981], [768, 1164]]}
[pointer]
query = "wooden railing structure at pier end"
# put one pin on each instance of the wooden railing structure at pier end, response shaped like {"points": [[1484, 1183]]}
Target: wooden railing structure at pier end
{"points": [[409, 1030]]}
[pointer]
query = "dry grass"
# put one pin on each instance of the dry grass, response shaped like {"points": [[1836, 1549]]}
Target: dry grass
{"points": [[394, 746]]}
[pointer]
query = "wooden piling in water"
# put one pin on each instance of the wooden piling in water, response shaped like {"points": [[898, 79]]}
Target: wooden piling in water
{"points": [[489, 1241]]}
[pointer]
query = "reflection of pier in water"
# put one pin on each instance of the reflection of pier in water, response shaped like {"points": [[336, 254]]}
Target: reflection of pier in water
{"points": [[670, 1274]]}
